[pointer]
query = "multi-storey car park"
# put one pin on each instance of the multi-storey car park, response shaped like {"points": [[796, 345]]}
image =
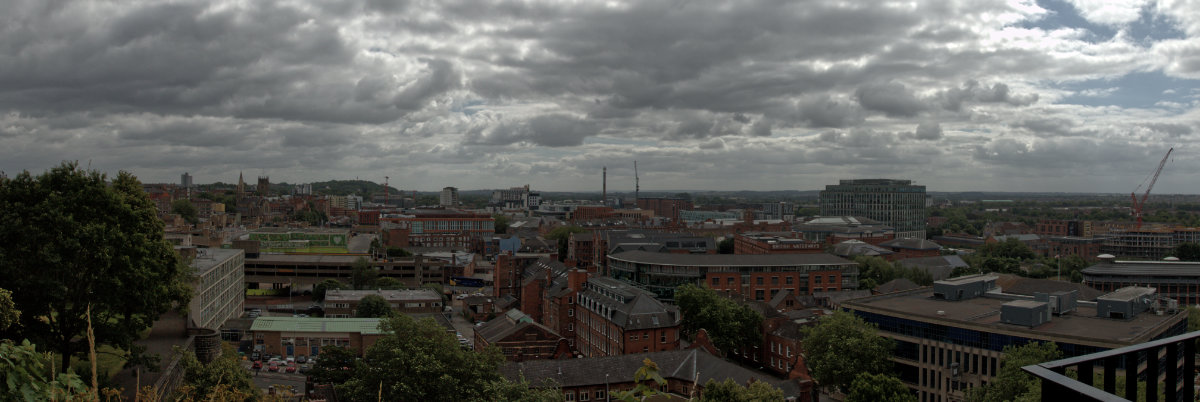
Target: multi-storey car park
{"points": [[756, 276]]}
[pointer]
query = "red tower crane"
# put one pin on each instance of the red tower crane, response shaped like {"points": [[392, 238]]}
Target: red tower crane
{"points": [[1138, 204]]}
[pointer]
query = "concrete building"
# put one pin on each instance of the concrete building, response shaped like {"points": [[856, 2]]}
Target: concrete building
{"points": [[757, 276], [951, 337], [665, 207], [1177, 280], [280, 271], [777, 210], [836, 229], [344, 303], [774, 243], [615, 318], [1153, 243], [449, 197], [437, 228], [218, 285], [896, 203]]}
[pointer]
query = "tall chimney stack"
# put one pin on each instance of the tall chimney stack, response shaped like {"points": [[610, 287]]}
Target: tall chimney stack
{"points": [[604, 190]]}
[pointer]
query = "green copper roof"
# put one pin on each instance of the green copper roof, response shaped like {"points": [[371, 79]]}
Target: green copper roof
{"points": [[369, 326]]}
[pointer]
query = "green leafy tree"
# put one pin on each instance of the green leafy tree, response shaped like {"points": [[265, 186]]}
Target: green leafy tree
{"points": [[185, 209], [418, 361], [320, 289], [25, 376], [1186, 251], [373, 306], [502, 222], [879, 388], [730, 390], [1012, 383], [398, 252], [223, 376], [725, 246], [842, 346], [106, 251], [728, 324], [8, 311], [1009, 248], [362, 274], [648, 382], [389, 283], [335, 365], [561, 235]]}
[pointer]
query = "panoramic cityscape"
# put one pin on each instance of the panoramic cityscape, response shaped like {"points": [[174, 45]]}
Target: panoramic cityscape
{"points": [[592, 201]]}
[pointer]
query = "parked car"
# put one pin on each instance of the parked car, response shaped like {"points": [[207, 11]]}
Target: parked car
{"points": [[255, 355], [304, 369], [291, 360], [273, 367], [291, 368], [257, 365], [301, 359]]}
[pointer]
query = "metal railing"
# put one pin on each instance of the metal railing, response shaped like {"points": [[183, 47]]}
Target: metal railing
{"points": [[1169, 363]]}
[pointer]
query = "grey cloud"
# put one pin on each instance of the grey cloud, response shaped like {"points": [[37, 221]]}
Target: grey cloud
{"points": [[929, 131], [822, 111], [552, 130], [893, 99], [972, 91]]}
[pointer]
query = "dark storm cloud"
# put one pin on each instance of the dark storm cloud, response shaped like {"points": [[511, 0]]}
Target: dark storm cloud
{"points": [[892, 98], [929, 131]]}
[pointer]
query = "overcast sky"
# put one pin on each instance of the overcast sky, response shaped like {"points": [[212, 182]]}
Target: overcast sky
{"points": [[759, 95]]}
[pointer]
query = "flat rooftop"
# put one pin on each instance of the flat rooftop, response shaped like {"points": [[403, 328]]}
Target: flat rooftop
{"points": [[366, 326], [1127, 293], [387, 294], [982, 313], [209, 258], [731, 260], [272, 229]]}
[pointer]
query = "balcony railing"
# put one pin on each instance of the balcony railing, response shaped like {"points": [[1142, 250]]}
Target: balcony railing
{"points": [[1168, 363]]}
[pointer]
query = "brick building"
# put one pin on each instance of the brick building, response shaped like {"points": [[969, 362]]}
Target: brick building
{"points": [[614, 318], [1064, 228], [519, 338], [774, 243], [581, 250], [436, 228], [665, 207], [758, 276], [293, 336]]}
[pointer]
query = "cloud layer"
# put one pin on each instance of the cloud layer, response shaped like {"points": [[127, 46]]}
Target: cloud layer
{"points": [[756, 94]]}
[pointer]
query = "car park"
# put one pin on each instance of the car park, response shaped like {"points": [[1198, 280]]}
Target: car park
{"points": [[257, 365], [291, 360], [273, 367], [301, 359], [304, 369], [291, 368]]}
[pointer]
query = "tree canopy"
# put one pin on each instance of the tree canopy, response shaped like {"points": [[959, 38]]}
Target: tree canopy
{"points": [[730, 390], [185, 209], [877, 271], [502, 222], [879, 388], [729, 325], [335, 365], [1012, 383], [106, 251], [373, 306], [362, 275], [320, 289], [1186, 251], [224, 376], [418, 361], [841, 346], [726, 246]]}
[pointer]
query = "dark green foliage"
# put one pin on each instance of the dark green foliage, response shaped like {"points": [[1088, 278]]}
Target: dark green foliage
{"points": [[8, 311], [842, 346], [419, 361], [1186, 251], [1012, 383], [204, 379], [373, 306], [648, 382], [725, 246], [502, 222], [388, 283], [25, 375], [319, 289], [730, 390], [352, 187], [728, 324], [398, 252], [70, 239], [1009, 248], [335, 365], [362, 275], [311, 216], [879, 388], [185, 209], [875, 271]]}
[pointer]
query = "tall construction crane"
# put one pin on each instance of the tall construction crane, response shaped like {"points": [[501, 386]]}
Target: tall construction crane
{"points": [[1138, 204]]}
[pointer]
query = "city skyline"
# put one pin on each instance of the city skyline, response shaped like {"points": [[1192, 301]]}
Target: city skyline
{"points": [[1022, 96]]}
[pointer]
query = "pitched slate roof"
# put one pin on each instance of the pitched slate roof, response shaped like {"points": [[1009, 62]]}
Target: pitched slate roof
{"points": [[628, 307], [939, 267], [680, 365], [512, 321], [912, 244], [896, 285]]}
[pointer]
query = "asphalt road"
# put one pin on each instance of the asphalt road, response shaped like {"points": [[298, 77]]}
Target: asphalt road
{"points": [[266, 380]]}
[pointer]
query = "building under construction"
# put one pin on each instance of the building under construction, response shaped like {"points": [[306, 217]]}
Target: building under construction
{"points": [[1148, 243]]}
